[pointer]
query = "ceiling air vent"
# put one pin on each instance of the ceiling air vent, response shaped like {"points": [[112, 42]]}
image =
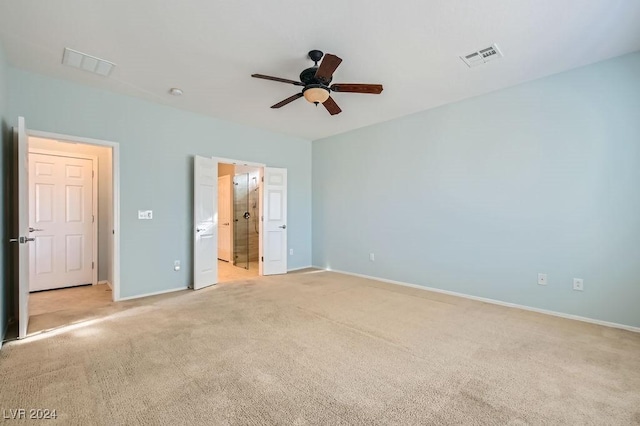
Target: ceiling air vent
{"points": [[76, 59], [482, 56]]}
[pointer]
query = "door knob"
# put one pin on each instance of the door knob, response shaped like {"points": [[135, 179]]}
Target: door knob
{"points": [[35, 229], [199, 229], [283, 226]]}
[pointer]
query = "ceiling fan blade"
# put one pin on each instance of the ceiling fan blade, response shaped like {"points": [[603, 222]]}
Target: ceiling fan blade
{"points": [[327, 67], [281, 80], [373, 89], [288, 100], [332, 106]]}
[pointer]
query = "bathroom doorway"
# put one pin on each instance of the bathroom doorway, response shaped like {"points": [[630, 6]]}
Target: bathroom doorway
{"points": [[239, 221]]}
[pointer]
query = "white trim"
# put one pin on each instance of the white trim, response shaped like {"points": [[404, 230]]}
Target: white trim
{"points": [[115, 194], [102, 282], [4, 334], [302, 267], [237, 162], [261, 221], [94, 199], [155, 293], [492, 301]]}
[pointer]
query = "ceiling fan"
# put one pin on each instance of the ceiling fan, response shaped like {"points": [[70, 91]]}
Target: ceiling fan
{"points": [[315, 82]]}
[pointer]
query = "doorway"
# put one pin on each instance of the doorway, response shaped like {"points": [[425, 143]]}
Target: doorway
{"points": [[64, 226], [70, 209], [208, 220], [239, 207]]}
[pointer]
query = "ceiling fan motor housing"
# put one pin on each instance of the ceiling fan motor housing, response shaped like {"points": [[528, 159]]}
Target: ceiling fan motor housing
{"points": [[308, 77]]}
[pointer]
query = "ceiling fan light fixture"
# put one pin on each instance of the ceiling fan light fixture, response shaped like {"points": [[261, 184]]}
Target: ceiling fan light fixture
{"points": [[316, 93]]}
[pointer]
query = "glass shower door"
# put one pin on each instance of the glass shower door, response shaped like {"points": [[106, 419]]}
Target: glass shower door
{"points": [[241, 220]]}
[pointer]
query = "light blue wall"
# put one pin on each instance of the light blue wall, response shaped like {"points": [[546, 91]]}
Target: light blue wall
{"points": [[157, 144], [479, 196], [4, 136]]}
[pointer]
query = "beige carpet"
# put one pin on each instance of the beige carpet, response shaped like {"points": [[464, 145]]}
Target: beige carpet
{"points": [[324, 348]]}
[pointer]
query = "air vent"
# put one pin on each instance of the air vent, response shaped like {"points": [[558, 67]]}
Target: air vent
{"points": [[482, 56], [76, 59]]}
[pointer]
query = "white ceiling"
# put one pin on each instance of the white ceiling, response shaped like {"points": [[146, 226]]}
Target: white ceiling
{"points": [[209, 49]]}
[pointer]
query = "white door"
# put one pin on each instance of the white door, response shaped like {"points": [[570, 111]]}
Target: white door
{"points": [[274, 243], [22, 239], [224, 218], [61, 221], [205, 221]]}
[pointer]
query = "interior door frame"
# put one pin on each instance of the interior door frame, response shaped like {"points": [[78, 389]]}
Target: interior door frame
{"points": [[261, 167], [94, 199], [115, 196]]}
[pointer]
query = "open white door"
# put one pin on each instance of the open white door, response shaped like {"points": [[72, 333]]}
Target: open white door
{"points": [[205, 222], [225, 212], [274, 211], [22, 239]]}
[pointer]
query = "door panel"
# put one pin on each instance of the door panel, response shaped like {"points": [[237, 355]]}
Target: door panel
{"points": [[43, 259], [75, 249], [61, 191], [44, 202], [275, 221], [74, 203], [224, 218], [205, 235]]}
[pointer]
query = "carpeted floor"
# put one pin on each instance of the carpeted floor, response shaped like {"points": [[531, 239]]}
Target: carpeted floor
{"points": [[325, 348]]}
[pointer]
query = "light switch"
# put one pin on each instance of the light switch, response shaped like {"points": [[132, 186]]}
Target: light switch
{"points": [[145, 214]]}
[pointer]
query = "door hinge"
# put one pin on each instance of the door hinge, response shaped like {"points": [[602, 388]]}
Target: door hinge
{"points": [[93, 265], [262, 178], [262, 259], [93, 174], [93, 218]]}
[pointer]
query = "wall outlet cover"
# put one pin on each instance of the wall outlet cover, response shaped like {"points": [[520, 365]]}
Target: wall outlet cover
{"points": [[542, 279], [578, 284]]}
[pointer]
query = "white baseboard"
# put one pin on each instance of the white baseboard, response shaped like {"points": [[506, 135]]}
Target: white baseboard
{"points": [[493, 301], [155, 293], [107, 283], [302, 267], [4, 334]]}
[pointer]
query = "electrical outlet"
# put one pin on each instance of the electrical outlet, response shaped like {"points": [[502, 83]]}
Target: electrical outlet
{"points": [[542, 279], [290, 252], [578, 284], [372, 257], [176, 265]]}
